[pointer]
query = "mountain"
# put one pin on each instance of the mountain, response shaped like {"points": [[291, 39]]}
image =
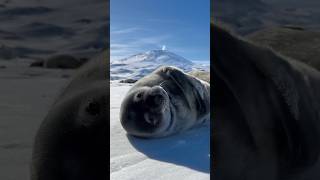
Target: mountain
{"points": [[139, 65]]}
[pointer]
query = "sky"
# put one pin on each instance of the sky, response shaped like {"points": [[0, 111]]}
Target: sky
{"points": [[180, 26]]}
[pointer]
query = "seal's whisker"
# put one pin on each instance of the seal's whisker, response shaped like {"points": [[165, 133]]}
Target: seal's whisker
{"points": [[162, 83]]}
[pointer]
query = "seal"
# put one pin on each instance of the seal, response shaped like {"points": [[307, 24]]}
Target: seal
{"points": [[266, 107], [71, 141], [165, 102]]}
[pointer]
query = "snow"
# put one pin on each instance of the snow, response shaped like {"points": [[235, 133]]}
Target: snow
{"points": [[26, 95], [185, 155]]}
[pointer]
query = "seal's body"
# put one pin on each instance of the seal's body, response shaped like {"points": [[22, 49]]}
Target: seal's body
{"points": [[71, 141], [165, 102], [266, 113]]}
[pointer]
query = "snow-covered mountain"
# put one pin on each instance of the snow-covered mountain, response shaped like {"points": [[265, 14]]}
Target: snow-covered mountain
{"points": [[139, 65]]}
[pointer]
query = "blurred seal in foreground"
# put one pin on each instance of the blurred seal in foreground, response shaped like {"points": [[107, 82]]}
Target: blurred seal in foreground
{"points": [[266, 112], [71, 141]]}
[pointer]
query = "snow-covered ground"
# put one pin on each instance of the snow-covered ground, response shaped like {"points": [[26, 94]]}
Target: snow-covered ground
{"points": [[26, 95], [184, 156]]}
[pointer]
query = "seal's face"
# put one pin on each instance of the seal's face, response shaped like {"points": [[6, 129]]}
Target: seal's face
{"points": [[145, 112], [75, 128]]}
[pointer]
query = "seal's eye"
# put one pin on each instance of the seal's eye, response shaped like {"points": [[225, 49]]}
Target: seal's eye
{"points": [[93, 108], [138, 96]]}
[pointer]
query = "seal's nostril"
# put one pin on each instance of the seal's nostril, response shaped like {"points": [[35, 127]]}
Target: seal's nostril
{"points": [[158, 99], [93, 108], [151, 121], [139, 95]]}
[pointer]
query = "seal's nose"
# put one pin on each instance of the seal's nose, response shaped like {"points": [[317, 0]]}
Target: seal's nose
{"points": [[156, 97], [151, 120], [155, 100]]}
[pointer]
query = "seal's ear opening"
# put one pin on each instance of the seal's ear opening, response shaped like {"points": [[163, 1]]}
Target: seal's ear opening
{"points": [[93, 108], [253, 125]]}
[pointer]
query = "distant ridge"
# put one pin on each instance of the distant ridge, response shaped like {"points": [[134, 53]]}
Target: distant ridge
{"points": [[141, 64]]}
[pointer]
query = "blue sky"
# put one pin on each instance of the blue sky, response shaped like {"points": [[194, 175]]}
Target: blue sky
{"points": [[182, 26]]}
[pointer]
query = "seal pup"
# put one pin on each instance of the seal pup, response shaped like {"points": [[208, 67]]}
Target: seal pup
{"points": [[71, 141], [165, 102], [266, 112]]}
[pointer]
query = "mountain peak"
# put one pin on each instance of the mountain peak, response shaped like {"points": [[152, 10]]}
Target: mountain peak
{"points": [[159, 56], [141, 64]]}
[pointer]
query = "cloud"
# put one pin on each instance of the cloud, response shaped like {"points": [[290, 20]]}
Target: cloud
{"points": [[124, 31], [124, 44], [164, 21]]}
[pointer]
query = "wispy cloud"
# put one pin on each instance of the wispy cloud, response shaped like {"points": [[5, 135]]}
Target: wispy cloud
{"points": [[163, 21], [126, 42], [124, 31], [152, 40]]}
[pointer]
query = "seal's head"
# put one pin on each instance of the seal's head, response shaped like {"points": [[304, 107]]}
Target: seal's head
{"points": [[145, 112], [74, 129]]}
